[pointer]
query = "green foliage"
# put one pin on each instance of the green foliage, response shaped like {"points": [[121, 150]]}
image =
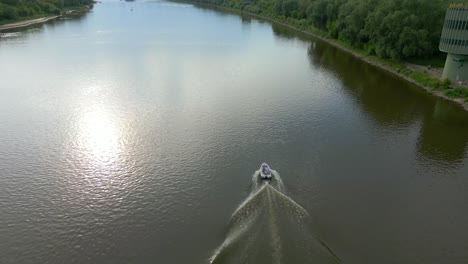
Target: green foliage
{"points": [[12, 10], [7, 12], [288, 7], [426, 80], [459, 92], [405, 28], [420, 78], [395, 29], [446, 82], [403, 70], [320, 12]]}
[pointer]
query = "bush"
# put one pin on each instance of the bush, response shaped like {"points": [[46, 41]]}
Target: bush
{"points": [[7, 12], [459, 92], [433, 83], [10, 10], [445, 83], [11, 13]]}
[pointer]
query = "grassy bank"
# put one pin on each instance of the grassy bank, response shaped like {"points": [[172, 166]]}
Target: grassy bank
{"points": [[441, 88], [16, 11]]}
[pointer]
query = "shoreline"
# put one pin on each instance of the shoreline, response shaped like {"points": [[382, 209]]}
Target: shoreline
{"points": [[44, 19], [27, 23], [365, 58]]}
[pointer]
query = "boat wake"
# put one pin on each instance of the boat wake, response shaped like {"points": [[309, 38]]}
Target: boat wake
{"points": [[269, 227]]}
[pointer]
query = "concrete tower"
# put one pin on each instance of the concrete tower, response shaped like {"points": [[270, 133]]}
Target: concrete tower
{"points": [[454, 41]]}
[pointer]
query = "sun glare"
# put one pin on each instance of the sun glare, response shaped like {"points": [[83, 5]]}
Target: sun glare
{"points": [[99, 135]]}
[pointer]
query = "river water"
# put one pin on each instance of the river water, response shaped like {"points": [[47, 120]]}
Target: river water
{"points": [[130, 135]]}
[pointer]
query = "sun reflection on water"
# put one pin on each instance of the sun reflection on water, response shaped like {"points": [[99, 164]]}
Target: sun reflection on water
{"points": [[98, 146], [99, 136]]}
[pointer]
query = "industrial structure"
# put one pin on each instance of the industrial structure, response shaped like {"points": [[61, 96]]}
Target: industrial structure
{"points": [[454, 41]]}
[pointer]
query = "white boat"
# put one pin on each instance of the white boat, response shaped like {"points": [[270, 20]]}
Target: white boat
{"points": [[265, 171]]}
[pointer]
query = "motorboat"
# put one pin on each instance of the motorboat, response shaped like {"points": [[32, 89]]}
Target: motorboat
{"points": [[265, 172]]}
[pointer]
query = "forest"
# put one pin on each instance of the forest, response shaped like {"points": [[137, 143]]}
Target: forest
{"points": [[13, 10], [389, 29]]}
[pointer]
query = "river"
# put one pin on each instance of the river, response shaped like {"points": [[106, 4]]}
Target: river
{"points": [[131, 134]]}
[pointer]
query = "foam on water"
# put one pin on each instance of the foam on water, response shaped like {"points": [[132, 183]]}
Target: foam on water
{"points": [[269, 227], [10, 35]]}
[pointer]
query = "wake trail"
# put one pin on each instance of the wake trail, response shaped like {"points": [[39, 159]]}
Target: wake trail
{"points": [[269, 227]]}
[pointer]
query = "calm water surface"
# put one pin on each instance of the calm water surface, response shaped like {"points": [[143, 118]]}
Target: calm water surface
{"points": [[132, 136]]}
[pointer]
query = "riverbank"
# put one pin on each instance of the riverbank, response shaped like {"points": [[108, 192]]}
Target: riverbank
{"points": [[421, 79], [27, 23], [38, 19]]}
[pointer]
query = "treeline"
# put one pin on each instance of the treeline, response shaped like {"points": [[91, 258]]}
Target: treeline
{"points": [[12, 10], [396, 29]]}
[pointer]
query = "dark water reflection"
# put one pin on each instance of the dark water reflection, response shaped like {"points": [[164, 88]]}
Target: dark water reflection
{"points": [[395, 103]]}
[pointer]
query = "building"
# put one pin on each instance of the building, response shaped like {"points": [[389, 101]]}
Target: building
{"points": [[454, 41]]}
